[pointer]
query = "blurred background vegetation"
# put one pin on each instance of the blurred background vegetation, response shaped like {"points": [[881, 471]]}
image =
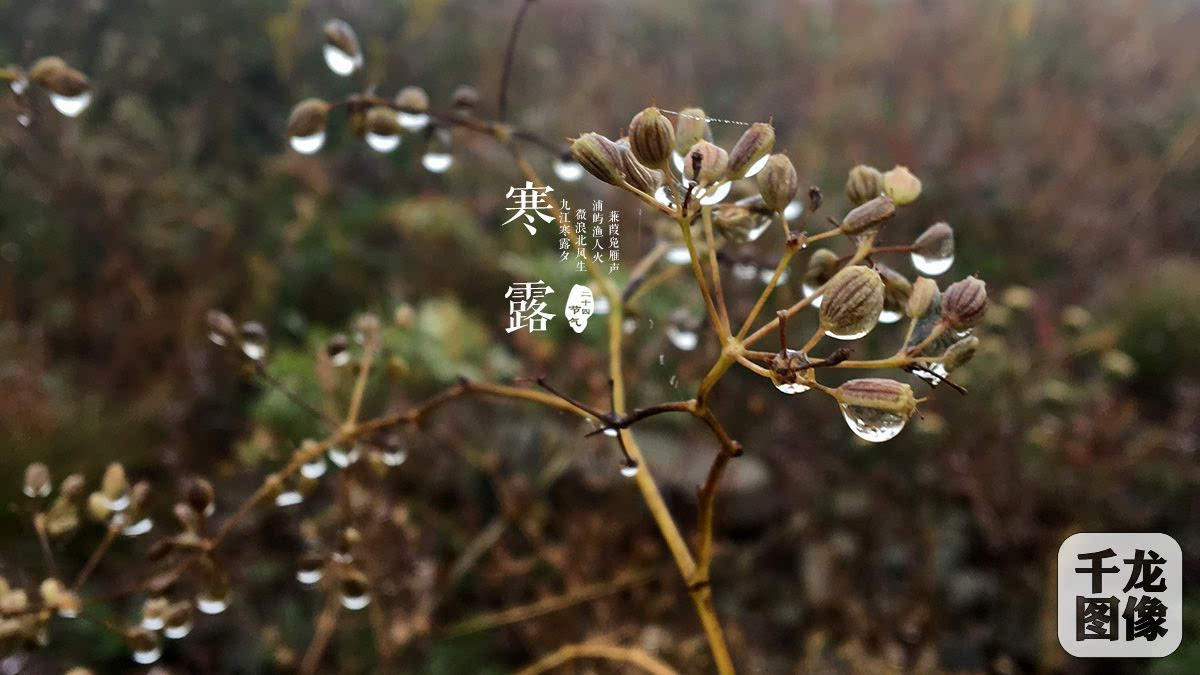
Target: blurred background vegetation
{"points": [[1058, 138]]}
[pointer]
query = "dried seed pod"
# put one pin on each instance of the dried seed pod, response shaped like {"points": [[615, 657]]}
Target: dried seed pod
{"points": [[381, 120], [37, 480], [852, 302], [145, 644], [733, 221], [308, 118], [691, 127], [960, 352], [705, 163], [177, 621], [645, 179], [868, 215], [340, 36], [54, 75], [412, 99], [465, 97], [756, 143], [964, 303], [51, 590], [651, 138], [901, 185], [822, 265], [154, 612], [863, 183], [778, 183], [921, 298], [896, 289], [72, 486], [98, 506], [114, 485], [599, 156], [878, 394]]}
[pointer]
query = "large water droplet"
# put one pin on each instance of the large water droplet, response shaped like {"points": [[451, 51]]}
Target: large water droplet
{"points": [[307, 145], [288, 498], [147, 656], [678, 256], [383, 142], [808, 291], [313, 469], [872, 424], [888, 316], [437, 162], [411, 121], [793, 210], [568, 170], [309, 577], [340, 62], [932, 265], [211, 604], [138, 528], [629, 470], [355, 602], [683, 339], [71, 106], [757, 166]]}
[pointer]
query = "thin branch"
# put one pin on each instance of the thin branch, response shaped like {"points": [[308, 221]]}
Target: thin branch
{"points": [[510, 52]]}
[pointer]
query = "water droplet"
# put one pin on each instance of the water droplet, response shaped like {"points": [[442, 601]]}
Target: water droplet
{"points": [[383, 143], [340, 62], [601, 306], [678, 256], [662, 359], [663, 196], [343, 458], [873, 424], [151, 622], [757, 166], [217, 339], [309, 577], [610, 432], [710, 196], [140, 527], [71, 106], [355, 602], [120, 503], [307, 145], [288, 498], [254, 350], [313, 469], [19, 85], [848, 336], [177, 631], [673, 382], [933, 373], [809, 290], [888, 316], [744, 271], [394, 457], [147, 656], [793, 210], [933, 265], [629, 325], [568, 170], [791, 387], [678, 159], [437, 162], [765, 277], [24, 119], [629, 470], [212, 604], [411, 121], [761, 223], [683, 339]]}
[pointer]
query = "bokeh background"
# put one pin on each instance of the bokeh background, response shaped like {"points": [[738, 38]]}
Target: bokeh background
{"points": [[1058, 138]]}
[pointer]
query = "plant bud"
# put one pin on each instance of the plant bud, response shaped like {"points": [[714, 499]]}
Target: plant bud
{"points": [[901, 185], [651, 138], [705, 163], [465, 97], [637, 174], [822, 265], [924, 290], [777, 182], [381, 121], [308, 118], [755, 144], [864, 183], [57, 77], [199, 495], [964, 303], [868, 215], [37, 480], [878, 393], [412, 99], [960, 352], [852, 303], [691, 127], [599, 156], [114, 485]]}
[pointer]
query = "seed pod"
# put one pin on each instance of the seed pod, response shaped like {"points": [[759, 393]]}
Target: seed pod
{"points": [[177, 620], [599, 156], [960, 352], [863, 183], [705, 163], [53, 74], [651, 138], [221, 328], [51, 590], [901, 185], [868, 215], [964, 303], [852, 302], [308, 118], [72, 486], [691, 127], [143, 641], [340, 35], [465, 97], [733, 221], [37, 480], [381, 120], [98, 506], [935, 242], [338, 350], [923, 292], [755, 144], [777, 182], [822, 265], [412, 99], [637, 175], [878, 393], [114, 485], [896, 288]]}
